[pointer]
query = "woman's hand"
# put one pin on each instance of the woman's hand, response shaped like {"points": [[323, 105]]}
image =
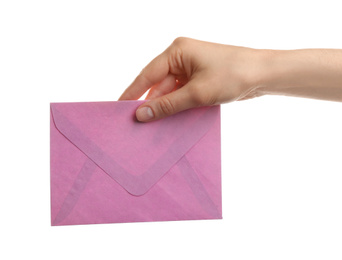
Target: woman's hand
{"points": [[192, 73]]}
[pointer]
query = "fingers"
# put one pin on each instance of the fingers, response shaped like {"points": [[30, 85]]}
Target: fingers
{"points": [[152, 74], [167, 105], [164, 87]]}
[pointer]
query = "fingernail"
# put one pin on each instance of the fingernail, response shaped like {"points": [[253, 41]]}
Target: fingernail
{"points": [[144, 114]]}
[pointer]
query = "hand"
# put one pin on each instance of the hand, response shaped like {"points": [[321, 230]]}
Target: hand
{"points": [[192, 73]]}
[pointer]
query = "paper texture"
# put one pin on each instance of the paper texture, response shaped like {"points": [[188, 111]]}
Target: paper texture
{"points": [[107, 168]]}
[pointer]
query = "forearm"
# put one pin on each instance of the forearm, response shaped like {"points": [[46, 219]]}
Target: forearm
{"points": [[312, 73]]}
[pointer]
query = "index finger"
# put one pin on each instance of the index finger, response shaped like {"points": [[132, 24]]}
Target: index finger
{"points": [[152, 74]]}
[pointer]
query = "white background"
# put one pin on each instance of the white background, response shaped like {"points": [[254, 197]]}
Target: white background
{"points": [[281, 156]]}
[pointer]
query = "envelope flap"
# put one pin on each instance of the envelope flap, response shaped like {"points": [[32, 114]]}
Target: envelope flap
{"points": [[134, 154]]}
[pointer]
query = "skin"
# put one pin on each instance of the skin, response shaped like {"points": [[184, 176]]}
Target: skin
{"points": [[192, 73]]}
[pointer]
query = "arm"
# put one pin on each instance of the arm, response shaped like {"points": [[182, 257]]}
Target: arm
{"points": [[311, 73], [193, 73]]}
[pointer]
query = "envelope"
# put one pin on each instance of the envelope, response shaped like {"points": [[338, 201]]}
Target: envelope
{"points": [[106, 167]]}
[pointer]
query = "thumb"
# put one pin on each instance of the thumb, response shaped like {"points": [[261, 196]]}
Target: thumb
{"points": [[166, 105]]}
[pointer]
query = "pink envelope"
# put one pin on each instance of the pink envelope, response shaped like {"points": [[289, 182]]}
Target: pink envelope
{"points": [[106, 167]]}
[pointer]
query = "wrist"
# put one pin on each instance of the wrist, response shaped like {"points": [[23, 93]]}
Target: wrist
{"points": [[272, 72]]}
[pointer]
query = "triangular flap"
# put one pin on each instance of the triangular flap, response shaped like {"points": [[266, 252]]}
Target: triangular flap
{"points": [[134, 154]]}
